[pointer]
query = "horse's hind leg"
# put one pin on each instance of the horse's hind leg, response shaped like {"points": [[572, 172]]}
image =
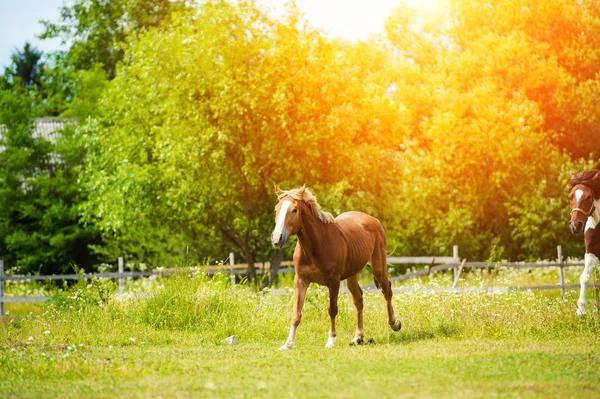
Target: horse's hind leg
{"points": [[357, 298], [379, 267], [334, 289]]}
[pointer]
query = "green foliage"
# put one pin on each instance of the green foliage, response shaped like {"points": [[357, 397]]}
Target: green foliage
{"points": [[493, 101], [88, 86], [237, 116], [27, 67], [542, 50], [96, 292], [157, 247], [538, 219], [458, 127], [97, 31], [444, 151], [39, 194]]}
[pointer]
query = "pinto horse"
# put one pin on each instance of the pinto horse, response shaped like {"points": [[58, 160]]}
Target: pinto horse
{"points": [[328, 251], [585, 215]]}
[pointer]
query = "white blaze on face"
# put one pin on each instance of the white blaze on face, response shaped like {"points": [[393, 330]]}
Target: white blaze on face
{"points": [[578, 195], [276, 236]]}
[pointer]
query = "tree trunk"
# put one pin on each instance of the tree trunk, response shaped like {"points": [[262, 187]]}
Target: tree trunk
{"points": [[250, 260], [276, 260]]}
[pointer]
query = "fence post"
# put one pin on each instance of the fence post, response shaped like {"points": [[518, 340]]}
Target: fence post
{"points": [[231, 263], [1, 287], [456, 261], [462, 265], [121, 264], [561, 271]]}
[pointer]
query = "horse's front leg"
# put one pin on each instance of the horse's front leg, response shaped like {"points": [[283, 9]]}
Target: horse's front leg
{"points": [[300, 287], [334, 289], [591, 260]]}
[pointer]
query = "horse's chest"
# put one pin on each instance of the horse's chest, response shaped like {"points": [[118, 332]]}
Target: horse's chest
{"points": [[312, 273], [316, 271]]}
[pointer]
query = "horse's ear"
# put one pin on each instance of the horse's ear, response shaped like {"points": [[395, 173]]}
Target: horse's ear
{"points": [[278, 191], [301, 191]]}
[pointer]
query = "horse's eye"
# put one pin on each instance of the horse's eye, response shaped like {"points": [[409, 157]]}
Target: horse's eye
{"points": [[295, 210]]}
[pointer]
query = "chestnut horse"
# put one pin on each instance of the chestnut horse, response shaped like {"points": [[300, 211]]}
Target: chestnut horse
{"points": [[328, 251], [585, 215]]}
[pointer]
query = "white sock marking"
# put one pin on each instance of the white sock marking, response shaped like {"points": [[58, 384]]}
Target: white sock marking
{"points": [[330, 342], [591, 261], [290, 340]]}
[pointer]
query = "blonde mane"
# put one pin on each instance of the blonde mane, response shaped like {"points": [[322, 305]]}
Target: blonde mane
{"points": [[310, 199]]}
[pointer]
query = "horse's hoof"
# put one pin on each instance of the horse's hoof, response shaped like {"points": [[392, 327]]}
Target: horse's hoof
{"points": [[397, 325], [285, 347], [371, 341], [330, 342], [357, 341]]}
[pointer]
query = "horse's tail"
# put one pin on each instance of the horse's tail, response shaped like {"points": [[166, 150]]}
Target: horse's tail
{"points": [[393, 250]]}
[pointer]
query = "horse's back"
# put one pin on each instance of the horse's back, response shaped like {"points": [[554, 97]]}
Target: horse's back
{"points": [[355, 222]]}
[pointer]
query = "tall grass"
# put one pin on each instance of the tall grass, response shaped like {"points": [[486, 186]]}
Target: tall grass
{"points": [[207, 310]]}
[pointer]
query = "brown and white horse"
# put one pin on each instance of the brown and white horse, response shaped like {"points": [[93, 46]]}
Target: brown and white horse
{"points": [[328, 251], [585, 216]]}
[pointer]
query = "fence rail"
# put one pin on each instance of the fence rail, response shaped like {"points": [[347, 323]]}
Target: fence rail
{"points": [[436, 264]]}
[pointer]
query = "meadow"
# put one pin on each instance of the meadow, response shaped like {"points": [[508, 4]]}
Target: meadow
{"points": [[86, 342]]}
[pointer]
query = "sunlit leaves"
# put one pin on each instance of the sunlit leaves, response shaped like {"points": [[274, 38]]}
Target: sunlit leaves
{"points": [[502, 95]]}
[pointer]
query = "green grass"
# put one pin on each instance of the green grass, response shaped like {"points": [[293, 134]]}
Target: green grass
{"points": [[85, 343], [435, 367]]}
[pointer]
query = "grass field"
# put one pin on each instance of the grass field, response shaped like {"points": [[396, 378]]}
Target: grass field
{"points": [[85, 343]]}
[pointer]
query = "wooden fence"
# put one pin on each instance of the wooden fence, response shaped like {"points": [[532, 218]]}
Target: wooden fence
{"points": [[435, 264]]}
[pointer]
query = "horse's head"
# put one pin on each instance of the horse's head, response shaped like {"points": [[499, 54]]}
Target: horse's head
{"points": [[287, 217], [581, 199]]}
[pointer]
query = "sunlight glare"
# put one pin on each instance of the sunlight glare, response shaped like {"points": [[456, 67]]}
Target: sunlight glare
{"points": [[424, 6], [353, 20]]}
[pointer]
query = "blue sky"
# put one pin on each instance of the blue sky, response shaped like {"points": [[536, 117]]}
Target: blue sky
{"points": [[19, 23]]}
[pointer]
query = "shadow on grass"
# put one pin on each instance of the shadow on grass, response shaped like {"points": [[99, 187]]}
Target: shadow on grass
{"points": [[421, 334]]}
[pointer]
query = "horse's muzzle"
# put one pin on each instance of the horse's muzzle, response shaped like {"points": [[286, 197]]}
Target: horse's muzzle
{"points": [[576, 226], [278, 242]]}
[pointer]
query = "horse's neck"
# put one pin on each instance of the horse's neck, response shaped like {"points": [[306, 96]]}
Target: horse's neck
{"points": [[594, 218], [592, 232], [312, 233]]}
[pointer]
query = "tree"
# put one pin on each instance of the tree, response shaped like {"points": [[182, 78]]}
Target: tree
{"points": [[97, 30], [27, 66], [40, 229], [205, 116], [549, 50], [497, 86]]}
